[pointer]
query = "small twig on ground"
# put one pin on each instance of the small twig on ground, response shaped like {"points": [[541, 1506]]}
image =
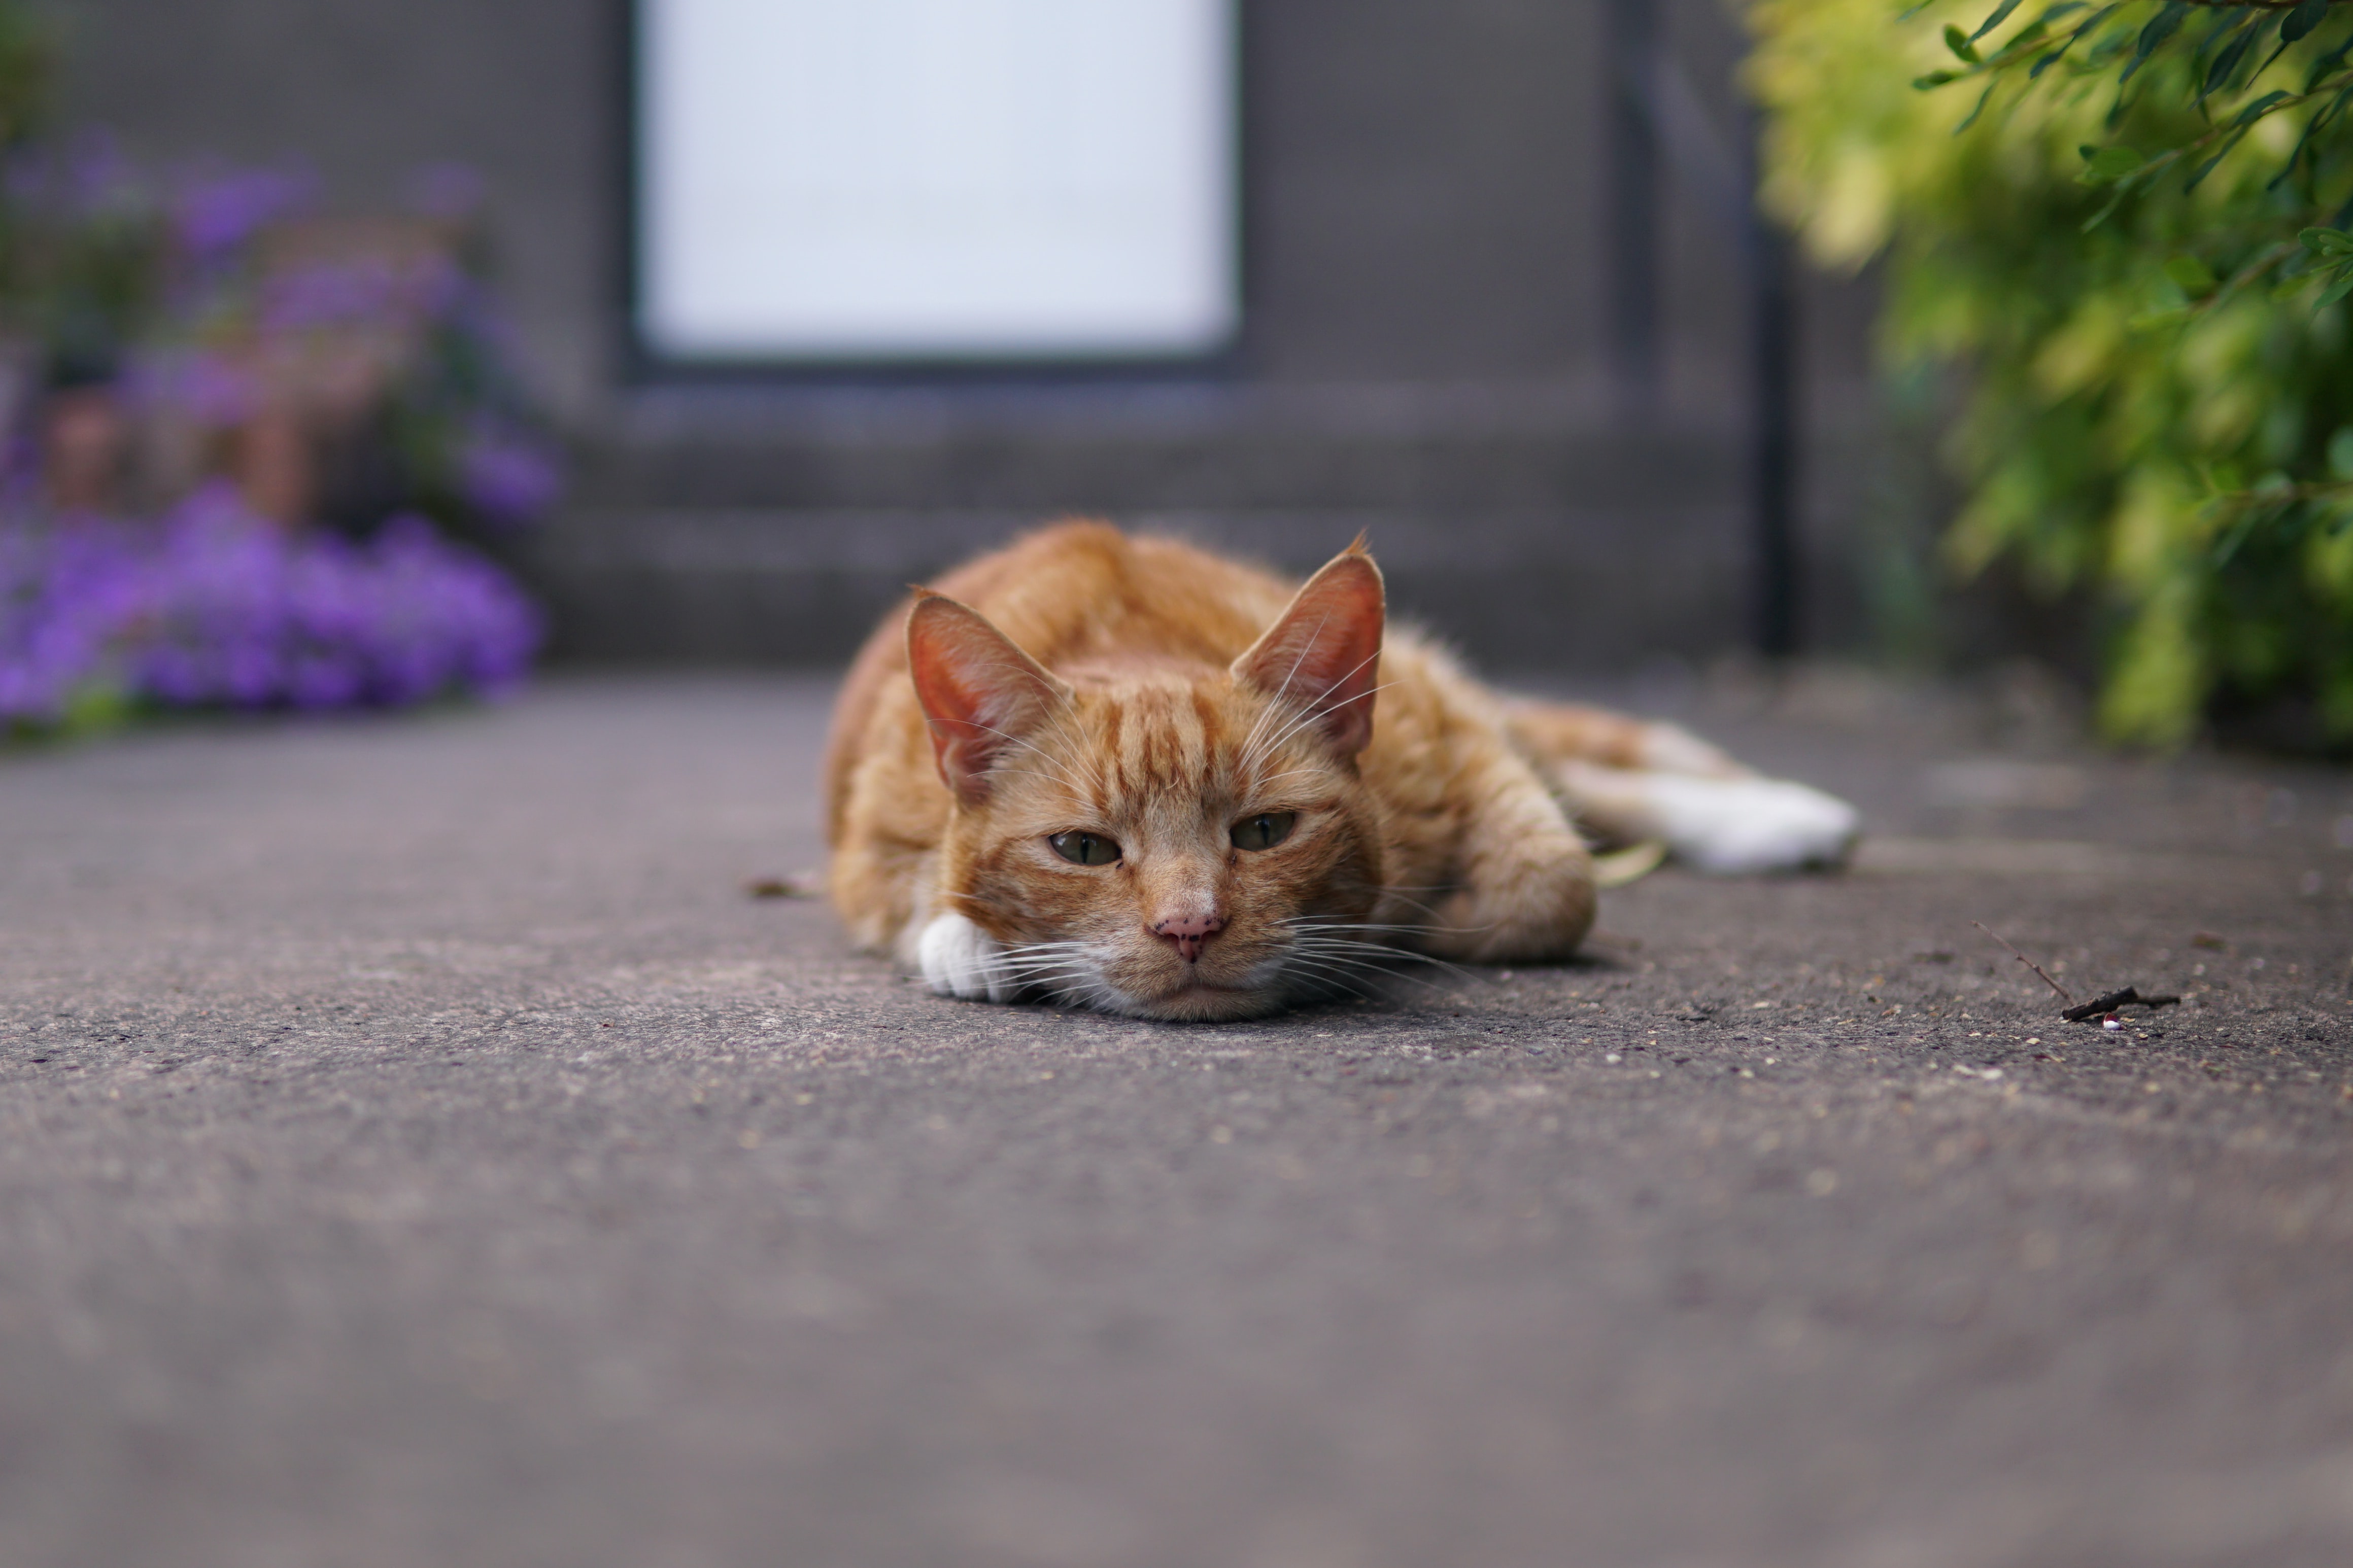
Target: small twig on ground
{"points": [[2064, 994], [2114, 1000]]}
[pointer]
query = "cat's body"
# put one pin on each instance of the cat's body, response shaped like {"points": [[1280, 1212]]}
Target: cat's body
{"points": [[1127, 774]]}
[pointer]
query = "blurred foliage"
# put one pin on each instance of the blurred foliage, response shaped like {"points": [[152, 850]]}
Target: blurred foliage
{"points": [[237, 435], [339, 369], [2127, 225], [25, 50]]}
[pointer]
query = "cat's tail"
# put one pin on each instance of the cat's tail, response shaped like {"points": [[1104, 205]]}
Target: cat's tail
{"points": [[1628, 782]]}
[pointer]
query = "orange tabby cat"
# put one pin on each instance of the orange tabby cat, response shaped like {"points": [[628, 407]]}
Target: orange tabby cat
{"points": [[1128, 775]]}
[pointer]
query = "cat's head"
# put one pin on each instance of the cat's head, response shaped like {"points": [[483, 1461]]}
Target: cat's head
{"points": [[1158, 839]]}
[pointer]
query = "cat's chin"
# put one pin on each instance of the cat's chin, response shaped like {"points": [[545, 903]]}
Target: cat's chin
{"points": [[959, 959], [1199, 1003]]}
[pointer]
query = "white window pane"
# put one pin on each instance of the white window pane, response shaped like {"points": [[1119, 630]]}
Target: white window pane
{"points": [[877, 179]]}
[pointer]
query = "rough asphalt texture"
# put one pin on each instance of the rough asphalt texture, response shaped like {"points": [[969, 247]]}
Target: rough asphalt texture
{"points": [[416, 1149]]}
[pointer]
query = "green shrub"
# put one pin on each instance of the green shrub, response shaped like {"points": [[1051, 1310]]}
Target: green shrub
{"points": [[2125, 223]]}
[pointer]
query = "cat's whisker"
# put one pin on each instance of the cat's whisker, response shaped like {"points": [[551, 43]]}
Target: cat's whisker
{"points": [[1087, 988], [1422, 928], [1286, 774], [1368, 953], [1336, 964], [1331, 945], [1361, 954], [1306, 648], [1330, 963], [1357, 948], [1063, 774], [1064, 717], [1003, 770], [1319, 988], [1357, 978], [1454, 971], [1018, 959], [1047, 973], [1387, 939], [1423, 905], [1040, 964], [1364, 980], [1254, 751], [1068, 988], [1433, 923], [1284, 691], [1040, 970], [1049, 958], [1320, 708], [1065, 779]]}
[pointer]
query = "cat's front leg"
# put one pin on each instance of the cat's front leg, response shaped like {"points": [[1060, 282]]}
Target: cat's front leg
{"points": [[1524, 879], [959, 959]]}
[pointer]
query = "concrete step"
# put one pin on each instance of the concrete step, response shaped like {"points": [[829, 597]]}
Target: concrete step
{"points": [[1525, 525]]}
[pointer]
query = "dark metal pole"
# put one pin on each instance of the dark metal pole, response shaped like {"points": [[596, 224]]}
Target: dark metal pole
{"points": [[1632, 51], [1773, 415], [1651, 110]]}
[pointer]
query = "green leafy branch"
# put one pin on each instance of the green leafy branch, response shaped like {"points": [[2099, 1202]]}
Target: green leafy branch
{"points": [[2221, 56], [2137, 246], [2226, 52]]}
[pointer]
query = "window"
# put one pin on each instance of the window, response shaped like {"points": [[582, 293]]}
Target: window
{"points": [[934, 179]]}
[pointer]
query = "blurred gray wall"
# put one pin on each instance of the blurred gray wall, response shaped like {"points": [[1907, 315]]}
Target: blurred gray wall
{"points": [[1424, 320]]}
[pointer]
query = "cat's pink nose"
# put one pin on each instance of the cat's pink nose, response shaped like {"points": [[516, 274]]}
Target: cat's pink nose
{"points": [[1190, 934]]}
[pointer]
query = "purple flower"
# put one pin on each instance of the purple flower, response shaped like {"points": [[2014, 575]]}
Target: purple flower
{"points": [[70, 598], [248, 615], [214, 216], [509, 481], [217, 607], [370, 290], [206, 387], [329, 293]]}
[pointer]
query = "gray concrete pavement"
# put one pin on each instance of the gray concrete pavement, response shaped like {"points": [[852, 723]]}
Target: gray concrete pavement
{"points": [[415, 1148]]}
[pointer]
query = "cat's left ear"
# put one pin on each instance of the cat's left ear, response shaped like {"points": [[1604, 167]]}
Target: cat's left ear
{"points": [[980, 693], [1324, 650]]}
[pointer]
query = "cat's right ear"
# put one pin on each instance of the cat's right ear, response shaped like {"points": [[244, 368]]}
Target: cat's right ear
{"points": [[980, 693], [1325, 651]]}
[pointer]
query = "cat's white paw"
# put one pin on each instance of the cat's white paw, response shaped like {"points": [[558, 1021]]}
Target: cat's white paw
{"points": [[959, 959], [1738, 826]]}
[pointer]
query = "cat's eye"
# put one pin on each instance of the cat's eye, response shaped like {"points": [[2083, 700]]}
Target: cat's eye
{"points": [[1265, 830], [1084, 848]]}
